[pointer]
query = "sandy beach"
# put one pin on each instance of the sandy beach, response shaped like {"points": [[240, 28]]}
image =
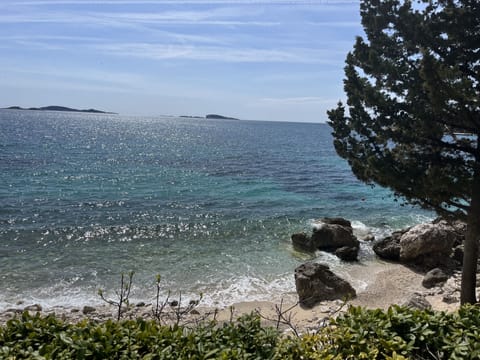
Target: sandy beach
{"points": [[388, 284]]}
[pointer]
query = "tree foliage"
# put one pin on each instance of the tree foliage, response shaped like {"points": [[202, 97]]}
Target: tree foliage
{"points": [[412, 120]]}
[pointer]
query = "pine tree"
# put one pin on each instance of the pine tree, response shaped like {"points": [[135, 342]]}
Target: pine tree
{"points": [[412, 119]]}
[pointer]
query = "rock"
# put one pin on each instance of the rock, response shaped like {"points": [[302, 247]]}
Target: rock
{"points": [[389, 248], [302, 241], [333, 236], [450, 299], [369, 238], [328, 234], [347, 253], [35, 307], [315, 282], [194, 312], [140, 304], [88, 310], [427, 239], [418, 301], [434, 277], [15, 311], [173, 303], [336, 221]]}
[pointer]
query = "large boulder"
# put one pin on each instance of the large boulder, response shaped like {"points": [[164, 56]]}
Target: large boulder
{"points": [[389, 248], [426, 245], [432, 240], [329, 234], [333, 236], [315, 282]]}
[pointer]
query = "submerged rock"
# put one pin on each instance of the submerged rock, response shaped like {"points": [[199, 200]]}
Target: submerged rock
{"points": [[302, 242], [315, 282]]}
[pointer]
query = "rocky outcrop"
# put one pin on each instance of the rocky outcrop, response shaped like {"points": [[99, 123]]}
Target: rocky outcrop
{"points": [[330, 234], [315, 282], [427, 239], [389, 248], [333, 236], [427, 245]]}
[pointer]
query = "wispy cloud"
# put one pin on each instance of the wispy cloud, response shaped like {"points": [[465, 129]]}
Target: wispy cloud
{"points": [[297, 100], [334, 24], [157, 51], [213, 2], [267, 51], [106, 79]]}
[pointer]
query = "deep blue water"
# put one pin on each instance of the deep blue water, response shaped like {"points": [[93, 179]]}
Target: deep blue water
{"points": [[208, 204]]}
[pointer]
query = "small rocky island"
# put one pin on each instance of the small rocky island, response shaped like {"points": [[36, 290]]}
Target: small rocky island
{"points": [[59, 108], [221, 117], [209, 116]]}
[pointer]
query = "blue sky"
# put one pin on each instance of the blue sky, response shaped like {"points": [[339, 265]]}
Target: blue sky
{"points": [[262, 60]]}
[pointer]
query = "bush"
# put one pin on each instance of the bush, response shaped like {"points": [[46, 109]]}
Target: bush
{"points": [[395, 334], [35, 337]]}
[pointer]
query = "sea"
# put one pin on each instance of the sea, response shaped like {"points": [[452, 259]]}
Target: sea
{"points": [[210, 205]]}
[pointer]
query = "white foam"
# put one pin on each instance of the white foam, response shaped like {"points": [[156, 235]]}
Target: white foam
{"points": [[245, 288]]}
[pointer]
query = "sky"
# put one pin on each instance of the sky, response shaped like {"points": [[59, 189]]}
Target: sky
{"points": [[278, 60]]}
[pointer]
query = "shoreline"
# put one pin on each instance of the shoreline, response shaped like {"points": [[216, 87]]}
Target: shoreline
{"points": [[391, 284]]}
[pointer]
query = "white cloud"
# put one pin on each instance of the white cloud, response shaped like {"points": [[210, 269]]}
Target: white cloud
{"points": [[158, 51], [207, 2], [231, 16], [105, 79], [297, 100]]}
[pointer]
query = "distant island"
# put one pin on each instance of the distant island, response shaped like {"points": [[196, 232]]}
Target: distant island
{"points": [[191, 117], [209, 116], [59, 108], [215, 116]]}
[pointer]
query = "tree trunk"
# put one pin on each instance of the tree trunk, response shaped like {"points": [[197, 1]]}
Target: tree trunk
{"points": [[470, 251]]}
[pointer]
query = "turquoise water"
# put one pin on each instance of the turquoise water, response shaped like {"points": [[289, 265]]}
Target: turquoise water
{"points": [[208, 204]]}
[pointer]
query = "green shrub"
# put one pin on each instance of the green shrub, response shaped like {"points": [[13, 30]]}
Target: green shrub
{"points": [[35, 337], [396, 334]]}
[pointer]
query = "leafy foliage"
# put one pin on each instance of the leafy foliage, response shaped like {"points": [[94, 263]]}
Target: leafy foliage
{"points": [[34, 337], [398, 333]]}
